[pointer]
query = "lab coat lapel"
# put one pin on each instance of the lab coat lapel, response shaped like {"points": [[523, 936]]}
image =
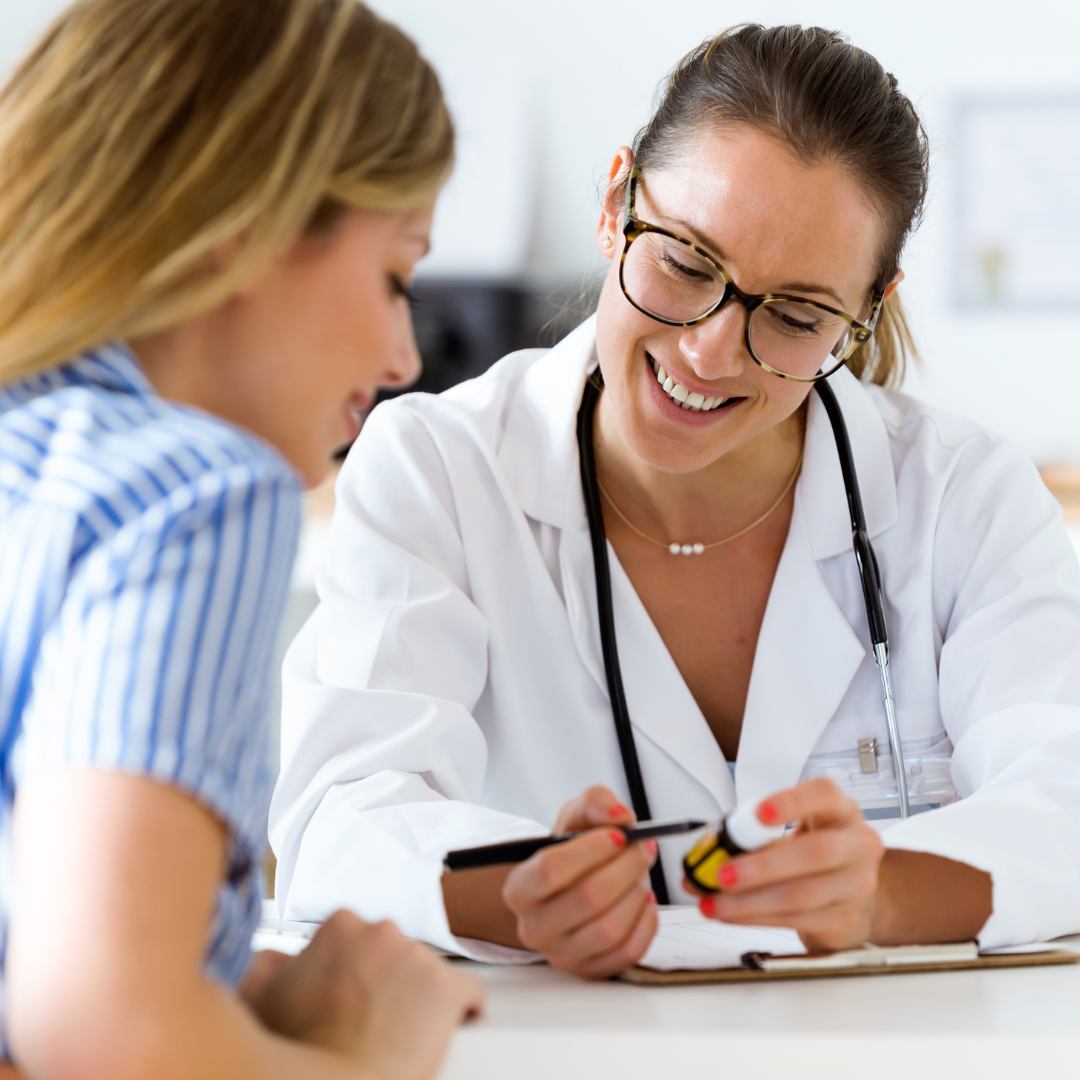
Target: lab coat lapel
{"points": [[807, 650], [660, 704], [807, 654]]}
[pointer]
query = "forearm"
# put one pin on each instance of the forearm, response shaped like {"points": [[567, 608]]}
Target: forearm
{"points": [[205, 1032], [475, 907], [925, 898]]}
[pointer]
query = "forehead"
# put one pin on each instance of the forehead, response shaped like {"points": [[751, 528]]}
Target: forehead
{"points": [[772, 218]]}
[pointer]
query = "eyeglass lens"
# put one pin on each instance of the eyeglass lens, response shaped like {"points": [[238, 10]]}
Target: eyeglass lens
{"points": [[667, 278]]}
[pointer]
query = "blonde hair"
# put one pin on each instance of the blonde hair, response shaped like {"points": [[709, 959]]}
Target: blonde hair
{"points": [[141, 140]]}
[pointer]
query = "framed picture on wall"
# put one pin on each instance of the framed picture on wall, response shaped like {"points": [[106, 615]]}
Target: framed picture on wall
{"points": [[1016, 238]]}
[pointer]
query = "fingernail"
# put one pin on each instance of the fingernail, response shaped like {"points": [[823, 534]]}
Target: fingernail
{"points": [[618, 837], [728, 875], [767, 813], [651, 898], [707, 906], [652, 847], [618, 810]]}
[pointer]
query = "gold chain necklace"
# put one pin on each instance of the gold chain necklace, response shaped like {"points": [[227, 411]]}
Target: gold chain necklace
{"points": [[700, 549]]}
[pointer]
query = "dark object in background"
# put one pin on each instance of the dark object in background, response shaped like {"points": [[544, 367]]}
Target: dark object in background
{"points": [[463, 327]]}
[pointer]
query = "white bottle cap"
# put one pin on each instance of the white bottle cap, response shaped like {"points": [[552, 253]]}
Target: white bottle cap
{"points": [[743, 827]]}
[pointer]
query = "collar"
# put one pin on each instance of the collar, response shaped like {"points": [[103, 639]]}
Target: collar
{"points": [[112, 367], [540, 456]]}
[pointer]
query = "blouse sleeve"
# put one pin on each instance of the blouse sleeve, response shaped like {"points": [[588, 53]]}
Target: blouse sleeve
{"points": [[158, 662]]}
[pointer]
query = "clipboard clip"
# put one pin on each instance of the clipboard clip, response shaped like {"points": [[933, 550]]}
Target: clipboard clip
{"points": [[865, 956]]}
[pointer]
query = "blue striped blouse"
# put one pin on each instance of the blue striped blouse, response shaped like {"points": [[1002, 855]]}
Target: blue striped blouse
{"points": [[145, 552]]}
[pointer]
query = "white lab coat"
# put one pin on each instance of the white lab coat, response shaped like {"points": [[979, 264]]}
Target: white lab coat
{"points": [[449, 690]]}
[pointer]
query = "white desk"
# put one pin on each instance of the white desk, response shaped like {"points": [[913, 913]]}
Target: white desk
{"points": [[1020, 1023]]}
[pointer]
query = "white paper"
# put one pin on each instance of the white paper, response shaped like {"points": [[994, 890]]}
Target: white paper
{"points": [[687, 941], [1031, 947]]}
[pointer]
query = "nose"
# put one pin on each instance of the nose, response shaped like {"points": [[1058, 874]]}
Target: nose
{"points": [[716, 348], [404, 364]]}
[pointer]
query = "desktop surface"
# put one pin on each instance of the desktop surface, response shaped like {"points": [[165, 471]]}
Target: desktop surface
{"points": [[540, 1023]]}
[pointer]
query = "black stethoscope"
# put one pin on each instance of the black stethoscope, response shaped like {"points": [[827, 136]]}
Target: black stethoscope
{"points": [[870, 575]]}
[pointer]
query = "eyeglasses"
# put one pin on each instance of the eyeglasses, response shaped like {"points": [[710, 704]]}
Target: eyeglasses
{"points": [[678, 283]]}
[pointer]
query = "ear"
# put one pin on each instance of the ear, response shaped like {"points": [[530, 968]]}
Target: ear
{"points": [[607, 228], [891, 287]]}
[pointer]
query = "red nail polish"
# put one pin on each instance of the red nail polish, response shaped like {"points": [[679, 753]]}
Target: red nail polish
{"points": [[652, 847], [728, 875], [618, 810], [651, 898], [707, 906], [618, 837], [767, 813]]}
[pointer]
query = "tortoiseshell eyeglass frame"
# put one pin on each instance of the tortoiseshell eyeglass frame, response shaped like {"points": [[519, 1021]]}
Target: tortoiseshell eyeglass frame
{"points": [[633, 227]]}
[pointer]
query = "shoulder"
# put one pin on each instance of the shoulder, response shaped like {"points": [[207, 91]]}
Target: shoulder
{"points": [[937, 436], [958, 459], [477, 409], [116, 458]]}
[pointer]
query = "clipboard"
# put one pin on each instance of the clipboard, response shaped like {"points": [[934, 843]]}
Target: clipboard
{"points": [[759, 967]]}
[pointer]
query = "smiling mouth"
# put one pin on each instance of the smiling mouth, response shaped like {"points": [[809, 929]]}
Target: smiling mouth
{"points": [[687, 399]]}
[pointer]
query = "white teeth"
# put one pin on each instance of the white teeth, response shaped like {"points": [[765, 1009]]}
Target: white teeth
{"points": [[685, 398]]}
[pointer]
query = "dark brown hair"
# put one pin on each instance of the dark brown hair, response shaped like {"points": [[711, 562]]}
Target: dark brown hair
{"points": [[828, 101]]}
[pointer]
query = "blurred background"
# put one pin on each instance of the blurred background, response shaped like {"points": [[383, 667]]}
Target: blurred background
{"points": [[544, 93]]}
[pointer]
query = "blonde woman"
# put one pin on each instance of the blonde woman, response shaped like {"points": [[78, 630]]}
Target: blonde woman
{"points": [[208, 213]]}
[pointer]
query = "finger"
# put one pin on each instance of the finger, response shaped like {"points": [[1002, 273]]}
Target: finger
{"points": [[797, 898], [470, 993], [814, 803], [805, 854], [555, 869], [592, 896], [596, 806], [609, 931], [627, 954], [264, 965]]}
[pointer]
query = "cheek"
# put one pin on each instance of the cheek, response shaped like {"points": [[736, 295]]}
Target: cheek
{"points": [[356, 328], [620, 328]]}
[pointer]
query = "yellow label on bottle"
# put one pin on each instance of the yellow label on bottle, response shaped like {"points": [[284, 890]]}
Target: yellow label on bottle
{"points": [[703, 861]]}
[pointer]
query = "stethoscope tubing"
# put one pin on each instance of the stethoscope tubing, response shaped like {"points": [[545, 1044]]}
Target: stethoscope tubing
{"points": [[869, 575]]}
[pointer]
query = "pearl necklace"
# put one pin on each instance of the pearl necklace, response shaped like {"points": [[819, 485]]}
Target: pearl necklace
{"points": [[700, 549]]}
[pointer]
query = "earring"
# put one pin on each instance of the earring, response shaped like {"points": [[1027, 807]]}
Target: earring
{"points": [[606, 242]]}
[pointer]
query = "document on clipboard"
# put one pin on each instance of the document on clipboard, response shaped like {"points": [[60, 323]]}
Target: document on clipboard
{"points": [[690, 948]]}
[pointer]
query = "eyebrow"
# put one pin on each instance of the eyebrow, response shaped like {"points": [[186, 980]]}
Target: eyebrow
{"points": [[790, 286]]}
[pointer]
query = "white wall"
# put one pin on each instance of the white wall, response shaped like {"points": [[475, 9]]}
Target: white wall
{"points": [[582, 74]]}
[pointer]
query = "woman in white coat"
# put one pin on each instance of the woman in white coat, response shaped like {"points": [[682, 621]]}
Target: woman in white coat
{"points": [[451, 691]]}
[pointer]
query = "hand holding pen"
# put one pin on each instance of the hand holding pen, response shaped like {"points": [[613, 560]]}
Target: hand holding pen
{"points": [[586, 904]]}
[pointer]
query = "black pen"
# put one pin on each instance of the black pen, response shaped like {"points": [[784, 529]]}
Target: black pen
{"points": [[519, 850]]}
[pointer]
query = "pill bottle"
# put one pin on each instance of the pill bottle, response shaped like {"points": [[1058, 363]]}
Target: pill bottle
{"points": [[739, 832]]}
